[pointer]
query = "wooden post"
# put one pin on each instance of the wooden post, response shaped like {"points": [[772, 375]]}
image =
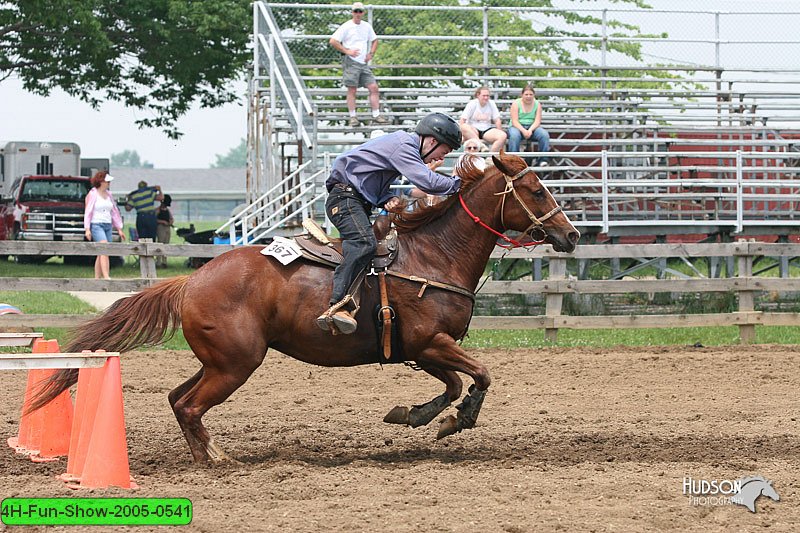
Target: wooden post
{"points": [[615, 264], [661, 272], [553, 301], [783, 260], [583, 268], [747, 332], [537, 269], [147, 263]]}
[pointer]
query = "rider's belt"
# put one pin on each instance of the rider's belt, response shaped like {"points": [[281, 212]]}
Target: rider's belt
{"points": [[345, 187]]}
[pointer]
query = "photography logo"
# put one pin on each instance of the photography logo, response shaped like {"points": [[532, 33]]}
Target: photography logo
{"points": [[744, 491]]}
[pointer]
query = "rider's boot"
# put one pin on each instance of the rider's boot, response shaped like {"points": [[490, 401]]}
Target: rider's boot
{"points": [[344, 322], [338, 319]]}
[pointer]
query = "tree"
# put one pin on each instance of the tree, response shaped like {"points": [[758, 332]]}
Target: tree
{"points": [[235, 158], [129, 159], [159, 56]]}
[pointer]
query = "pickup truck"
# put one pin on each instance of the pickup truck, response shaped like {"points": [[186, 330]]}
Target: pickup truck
{"points": [[44, 208]]}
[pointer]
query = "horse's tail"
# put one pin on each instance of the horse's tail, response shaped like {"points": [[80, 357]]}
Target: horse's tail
{"points": [[143, 319]]}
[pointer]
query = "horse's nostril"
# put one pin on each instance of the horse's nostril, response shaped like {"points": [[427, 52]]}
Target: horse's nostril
{"points": [[573, 237]]}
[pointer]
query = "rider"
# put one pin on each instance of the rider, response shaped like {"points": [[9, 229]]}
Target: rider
{"points": [[360, 181]]}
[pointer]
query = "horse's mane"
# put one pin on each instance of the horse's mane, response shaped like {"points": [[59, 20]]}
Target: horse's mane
{"points": [[468, 168]]}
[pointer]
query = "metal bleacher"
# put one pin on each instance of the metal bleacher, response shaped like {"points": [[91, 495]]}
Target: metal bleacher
{"points": [[636, 149]]}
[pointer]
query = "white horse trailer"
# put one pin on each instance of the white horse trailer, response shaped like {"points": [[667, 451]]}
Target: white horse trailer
{"points": [[20, 158]]}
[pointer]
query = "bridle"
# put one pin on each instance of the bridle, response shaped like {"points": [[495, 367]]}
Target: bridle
{"points": [[536, 229]]}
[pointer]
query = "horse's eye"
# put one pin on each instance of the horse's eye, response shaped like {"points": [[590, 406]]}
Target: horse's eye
{"points": [[539, 193]]}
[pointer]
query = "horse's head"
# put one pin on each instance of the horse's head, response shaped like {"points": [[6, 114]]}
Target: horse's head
{"points": [[769, 491], [529, 207]]}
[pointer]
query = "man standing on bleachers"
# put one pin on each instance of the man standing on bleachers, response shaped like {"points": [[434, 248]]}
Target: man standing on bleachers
{"points": [[144, 201], [357, 41]]}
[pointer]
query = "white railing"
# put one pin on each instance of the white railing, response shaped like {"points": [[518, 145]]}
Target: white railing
{"points": [[294, 196], [279, 95], [608, 187], [268, 47], [741, 194]]}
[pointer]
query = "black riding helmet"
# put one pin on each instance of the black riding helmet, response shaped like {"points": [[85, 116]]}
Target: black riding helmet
{"points": [[443, 128]]}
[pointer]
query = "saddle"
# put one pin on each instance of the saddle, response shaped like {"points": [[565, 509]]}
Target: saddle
{"points": [[318, 247]]}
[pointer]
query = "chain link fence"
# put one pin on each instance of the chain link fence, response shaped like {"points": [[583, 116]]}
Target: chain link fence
{"points": [[463, 42]]}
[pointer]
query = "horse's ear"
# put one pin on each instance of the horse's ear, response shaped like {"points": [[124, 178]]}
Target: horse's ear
{"points": [[505, 163], [498, 162]]}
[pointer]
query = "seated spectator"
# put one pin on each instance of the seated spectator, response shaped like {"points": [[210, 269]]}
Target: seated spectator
{"points": [[481, 120], [474, 145], [471, 147], [526, 120]]}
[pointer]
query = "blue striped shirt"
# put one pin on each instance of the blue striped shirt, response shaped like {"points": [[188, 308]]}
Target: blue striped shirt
{"points": [[143, 200]]}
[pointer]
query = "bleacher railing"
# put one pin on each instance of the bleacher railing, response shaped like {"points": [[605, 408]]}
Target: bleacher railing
{"points": [[292, 198], [728, 192], [277, 93], [710, 78]]}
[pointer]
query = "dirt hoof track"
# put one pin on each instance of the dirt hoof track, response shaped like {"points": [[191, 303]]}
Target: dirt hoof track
{"points": [[568, 440]]}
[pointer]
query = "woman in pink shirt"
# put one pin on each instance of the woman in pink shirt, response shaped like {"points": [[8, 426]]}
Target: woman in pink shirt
{"points": [[100, 216]]}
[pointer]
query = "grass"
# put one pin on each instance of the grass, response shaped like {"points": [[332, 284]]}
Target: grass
{"points": [[53, 302], [604, 338], [32, 302]]}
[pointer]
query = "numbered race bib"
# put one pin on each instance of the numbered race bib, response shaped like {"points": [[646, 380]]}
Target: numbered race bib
{"points": [[283, 249]]}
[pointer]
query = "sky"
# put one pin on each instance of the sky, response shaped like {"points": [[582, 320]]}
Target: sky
{"points": [[208, 132], [111, 129]]}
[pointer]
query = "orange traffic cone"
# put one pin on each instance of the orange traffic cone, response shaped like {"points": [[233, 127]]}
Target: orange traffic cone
{"points": [[27, 421], [57, 427], [107, 457], [44, 427], [90, 381]]}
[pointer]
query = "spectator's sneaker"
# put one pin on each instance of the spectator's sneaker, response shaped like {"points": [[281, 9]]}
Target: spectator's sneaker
{"points": [[381, 120], [544, 164], [354, 122]]}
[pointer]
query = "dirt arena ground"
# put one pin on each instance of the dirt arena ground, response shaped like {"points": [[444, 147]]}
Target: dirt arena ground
{"points": [[568, 440]]}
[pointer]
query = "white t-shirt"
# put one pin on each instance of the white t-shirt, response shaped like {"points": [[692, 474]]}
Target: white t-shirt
{"points": [[102, 210], [359, 36], [482, 117]]}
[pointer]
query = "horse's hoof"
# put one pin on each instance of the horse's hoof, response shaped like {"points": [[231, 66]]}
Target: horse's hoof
{"points": [[448, 426], [398, 415]]}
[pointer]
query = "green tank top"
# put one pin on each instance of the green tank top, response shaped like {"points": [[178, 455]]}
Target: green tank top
{"points": [[526, 118]]}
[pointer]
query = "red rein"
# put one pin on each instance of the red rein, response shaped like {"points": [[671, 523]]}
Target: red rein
{"points": [[511, 242]]}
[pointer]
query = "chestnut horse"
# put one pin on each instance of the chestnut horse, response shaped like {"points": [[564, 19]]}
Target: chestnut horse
{"points": [[240, 304]]}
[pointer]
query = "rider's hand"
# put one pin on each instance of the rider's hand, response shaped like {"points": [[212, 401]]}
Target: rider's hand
{"points": [[436, 163], [393, 203]]}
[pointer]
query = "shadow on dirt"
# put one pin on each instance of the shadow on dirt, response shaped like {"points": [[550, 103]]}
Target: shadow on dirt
{"points": [[571, 449]]}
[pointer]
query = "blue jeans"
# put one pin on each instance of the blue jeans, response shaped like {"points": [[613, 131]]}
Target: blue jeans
{"points": [[101, 231], [540, 135], [349, 212]]}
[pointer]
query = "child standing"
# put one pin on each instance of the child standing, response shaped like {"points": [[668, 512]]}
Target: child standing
{"points": [[164, 228]]}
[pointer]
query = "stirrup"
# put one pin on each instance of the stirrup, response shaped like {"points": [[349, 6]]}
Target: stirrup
{"points": [[338, 320]]}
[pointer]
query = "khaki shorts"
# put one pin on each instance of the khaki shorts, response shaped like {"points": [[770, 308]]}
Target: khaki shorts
{"points": [[355, 74]]}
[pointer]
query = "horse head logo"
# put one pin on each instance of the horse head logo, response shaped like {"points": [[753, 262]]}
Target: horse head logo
{"points": [[752, 488]]}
